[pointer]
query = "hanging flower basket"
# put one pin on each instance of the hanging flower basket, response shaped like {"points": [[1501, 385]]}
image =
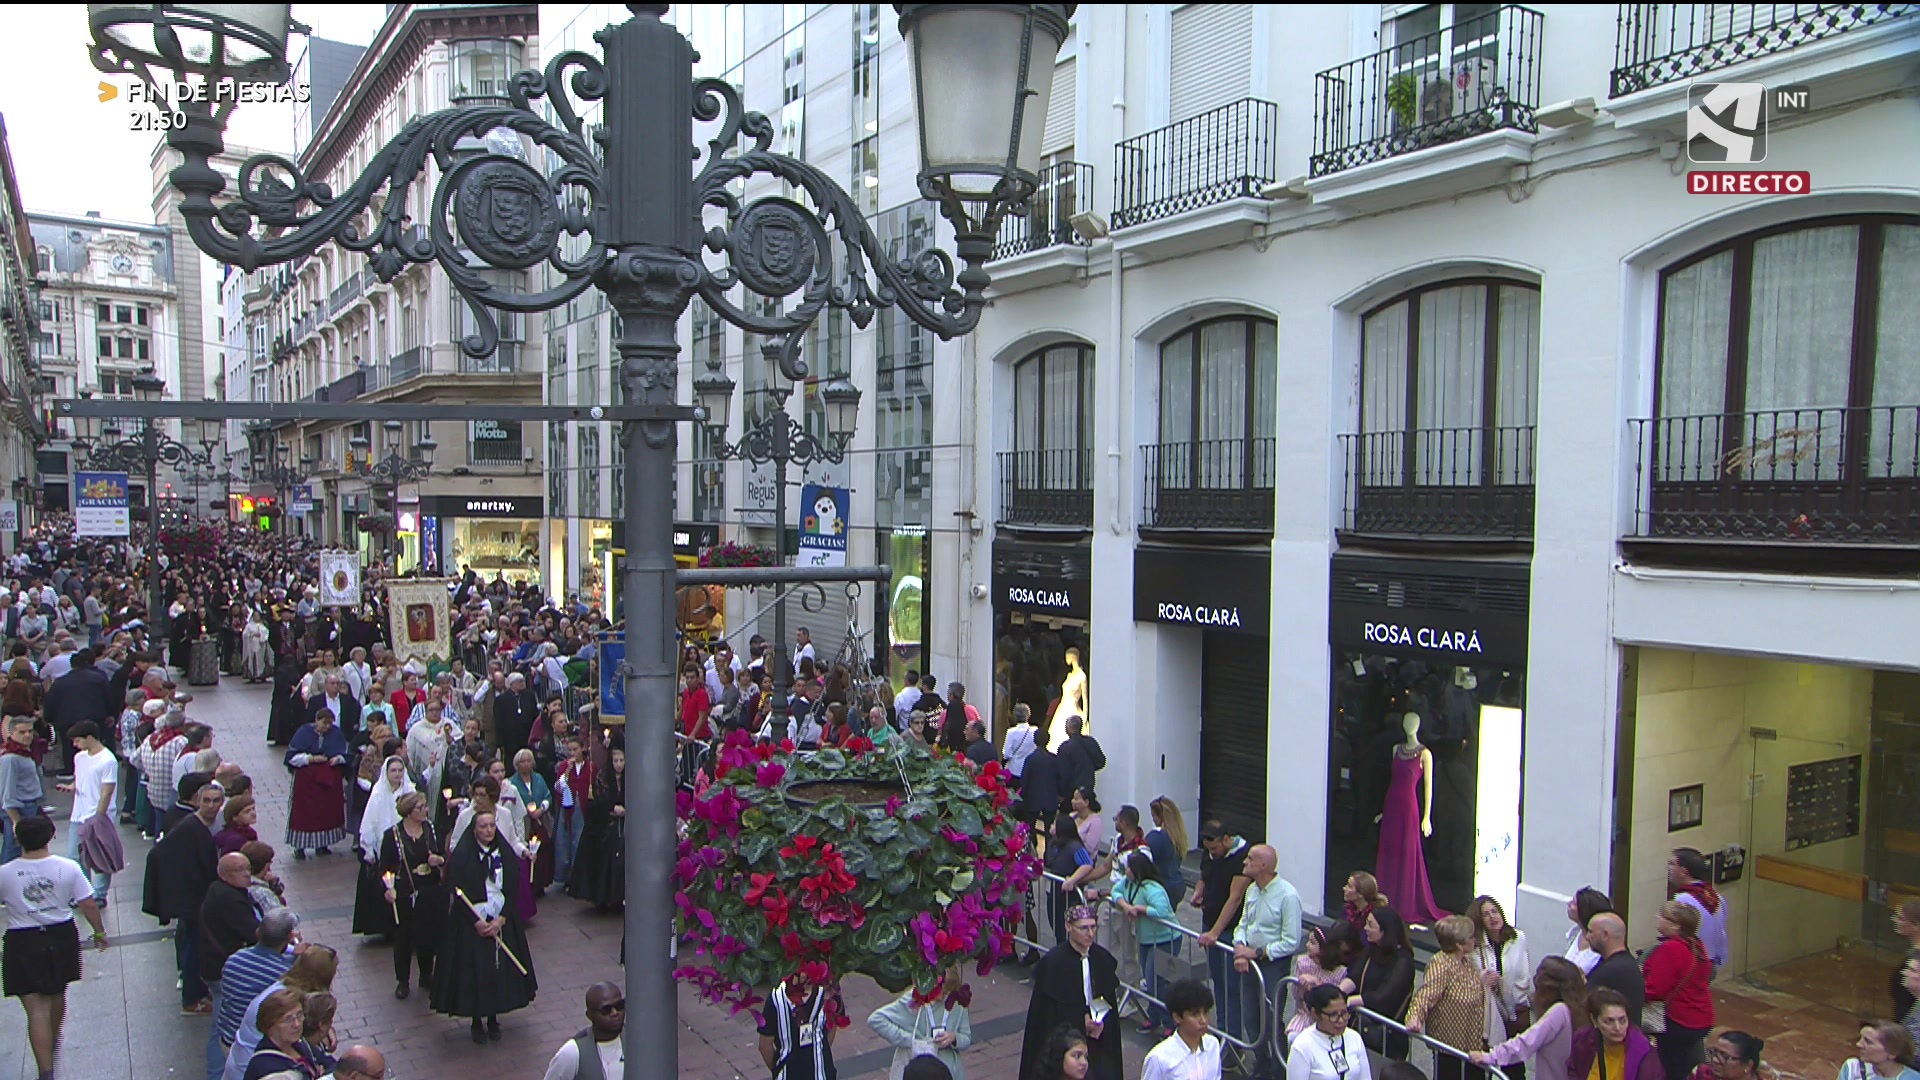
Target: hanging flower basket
{"points": [[892, 862], [730, 555], [375, 524]]}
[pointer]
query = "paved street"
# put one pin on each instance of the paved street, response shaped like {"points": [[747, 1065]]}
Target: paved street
{"points": [[124, 1018]]}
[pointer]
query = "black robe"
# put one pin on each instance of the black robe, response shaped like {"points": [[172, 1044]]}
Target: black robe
{"points": [[600, 866], [289, 712], [471, 976], [180, 867], [1059, 1000]]}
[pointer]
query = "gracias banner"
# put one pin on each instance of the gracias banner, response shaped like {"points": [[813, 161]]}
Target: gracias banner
{"points": [[340, 579], [100, 504], [417, 619]]}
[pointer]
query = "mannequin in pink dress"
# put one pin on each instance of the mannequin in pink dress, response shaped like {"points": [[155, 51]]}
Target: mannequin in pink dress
{"points": [[1401, 865]]}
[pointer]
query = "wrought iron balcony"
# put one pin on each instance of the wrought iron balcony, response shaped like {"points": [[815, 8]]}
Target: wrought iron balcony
{"points": [[407, 365], [346, 388], [1841, 476], [1047, 488], [421, 361], [1214, 485], [1066, 189], [1656, 44], [1441, 482], [1478, 75], [1227, 153], [346, 293]]}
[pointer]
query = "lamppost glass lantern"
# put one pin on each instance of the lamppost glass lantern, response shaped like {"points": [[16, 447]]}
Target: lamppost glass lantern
{"points": [[713, 391], [246, 42], [423, 450], [148, 387], [842, 400], [982, 76]]}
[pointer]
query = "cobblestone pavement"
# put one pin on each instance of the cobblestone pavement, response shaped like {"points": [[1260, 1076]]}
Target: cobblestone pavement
{"points": [[124, 1019]]}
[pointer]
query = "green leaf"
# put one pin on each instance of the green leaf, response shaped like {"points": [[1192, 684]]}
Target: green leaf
{"points": [[962, 881], [836, 813], [966, 819], [898, 882], [755, 848], [883, 830], [887, 936], [859, 857], [830, 760], [915, 834], [890, 859]]}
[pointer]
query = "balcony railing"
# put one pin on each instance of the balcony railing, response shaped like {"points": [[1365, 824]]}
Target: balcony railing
{"points": [[420, 361], [1220, 485], [1066, 189], [346, 293], [346, 388], [1658, 44], [308, 322], [406, 365], [1228, 153], [1479, 75], [1823, 475], [1047, 487], [1449, 482]]}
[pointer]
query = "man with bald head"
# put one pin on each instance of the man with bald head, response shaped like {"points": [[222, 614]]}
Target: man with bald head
{"points": [[359, 1063], [1267, 935], [595, 1053], [1617, 969], [228, 923]]}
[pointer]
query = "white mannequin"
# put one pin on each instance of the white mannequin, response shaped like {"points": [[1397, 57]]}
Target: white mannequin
{"points": [[1408, 751], [1073, 702]]}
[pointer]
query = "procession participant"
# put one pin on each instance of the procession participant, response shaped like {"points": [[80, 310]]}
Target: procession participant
{"points": [[410, 862], [372, 913], [599, 866], [428, 748], [317, 757], [484, 967], [537, 798]]}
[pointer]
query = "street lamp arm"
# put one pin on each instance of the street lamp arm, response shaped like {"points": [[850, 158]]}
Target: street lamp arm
{"points": [[776, 246], [779, 438]]}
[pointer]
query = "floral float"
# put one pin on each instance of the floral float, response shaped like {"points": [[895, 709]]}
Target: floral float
{"points": [[894, 862]]}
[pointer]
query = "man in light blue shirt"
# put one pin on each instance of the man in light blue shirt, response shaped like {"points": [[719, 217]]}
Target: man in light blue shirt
{"points": [[1266, 938]]}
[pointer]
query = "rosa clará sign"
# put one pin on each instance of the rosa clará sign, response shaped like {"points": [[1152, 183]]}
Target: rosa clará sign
{"points": [[894, 862]]}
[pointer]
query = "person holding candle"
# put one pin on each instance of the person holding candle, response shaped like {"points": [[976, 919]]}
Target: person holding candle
{"points": [[537, 797], [410, 872], [372, 913], [485, 967]]}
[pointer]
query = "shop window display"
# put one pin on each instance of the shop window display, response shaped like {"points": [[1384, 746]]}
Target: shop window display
{"points": [[1042, 664], [1408, 777], [507, 548]]}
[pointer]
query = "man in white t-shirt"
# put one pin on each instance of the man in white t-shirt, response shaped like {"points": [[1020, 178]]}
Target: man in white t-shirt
{"points": [[41, 891], [95, 772]]}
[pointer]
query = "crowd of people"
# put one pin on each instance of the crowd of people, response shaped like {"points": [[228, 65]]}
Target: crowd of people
{"points": [[469, 791]]}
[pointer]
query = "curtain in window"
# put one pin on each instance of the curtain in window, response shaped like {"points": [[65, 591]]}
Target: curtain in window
{"points": [[1223, 405], [1026, 421], [1060, 432], [1516, 385], [1799, 355], [1449, 398], [1696, 305], [1176, 412], [1265, 407], [1894, 446], [1383, 397]]}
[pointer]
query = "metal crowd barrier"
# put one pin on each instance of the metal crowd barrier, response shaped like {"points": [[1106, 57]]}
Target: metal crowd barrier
{"points": [[1432, 1044], [1269, 1029]]}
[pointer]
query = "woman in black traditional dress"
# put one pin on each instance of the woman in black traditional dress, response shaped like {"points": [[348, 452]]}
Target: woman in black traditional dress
{"points": [[372, 912], [599, 870], [289, 712], [484, 967], [465, 760], [1077, 985], [409, 852]]}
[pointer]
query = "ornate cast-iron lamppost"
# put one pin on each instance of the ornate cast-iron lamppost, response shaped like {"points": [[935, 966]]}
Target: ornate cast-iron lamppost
{"points": [[779, 439], [641, 212], [385, 477], [144, 453], [270, 467]]}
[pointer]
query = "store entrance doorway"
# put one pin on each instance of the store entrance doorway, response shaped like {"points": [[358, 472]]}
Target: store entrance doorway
{"points": [[1233, 732]]}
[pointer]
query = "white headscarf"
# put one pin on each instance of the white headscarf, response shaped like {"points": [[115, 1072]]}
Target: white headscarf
{"points": [[381, 814]]}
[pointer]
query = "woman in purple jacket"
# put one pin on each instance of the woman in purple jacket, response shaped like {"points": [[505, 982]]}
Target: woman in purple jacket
{"points": [[1560, 1011], [1613, 1048]]}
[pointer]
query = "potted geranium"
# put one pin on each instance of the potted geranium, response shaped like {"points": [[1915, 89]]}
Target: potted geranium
{"points": [[894, 862], [729, 555]]}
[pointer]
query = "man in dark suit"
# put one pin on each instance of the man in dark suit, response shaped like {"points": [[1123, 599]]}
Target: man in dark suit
{"points": [[346, 711], [228, 921], [83, 693], [179, 869]]}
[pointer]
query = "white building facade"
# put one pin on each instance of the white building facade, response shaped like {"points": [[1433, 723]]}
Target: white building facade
{"points": [[1421, 386]]}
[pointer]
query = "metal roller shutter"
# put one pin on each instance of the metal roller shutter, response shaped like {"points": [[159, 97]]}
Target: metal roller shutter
{"points": [[1062, 108], [1212, 57], [1233, 732]]}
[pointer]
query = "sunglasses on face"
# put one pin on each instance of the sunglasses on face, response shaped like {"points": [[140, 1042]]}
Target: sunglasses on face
{"points": [[613, 1007]]}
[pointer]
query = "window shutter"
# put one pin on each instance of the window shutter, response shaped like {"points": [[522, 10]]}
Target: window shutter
{"points": [[1212, 57], [1062, 108]]}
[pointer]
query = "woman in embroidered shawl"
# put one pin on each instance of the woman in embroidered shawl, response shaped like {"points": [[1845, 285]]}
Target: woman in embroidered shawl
{"points": [[317, 756]]}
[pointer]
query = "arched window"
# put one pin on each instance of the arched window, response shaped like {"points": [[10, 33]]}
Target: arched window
{"points": [[1448, 380], [1047, 478], [1792, 355], [1213, 466]]}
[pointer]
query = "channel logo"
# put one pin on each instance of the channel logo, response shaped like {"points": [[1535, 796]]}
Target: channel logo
{"points": [[1727, 123]]}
